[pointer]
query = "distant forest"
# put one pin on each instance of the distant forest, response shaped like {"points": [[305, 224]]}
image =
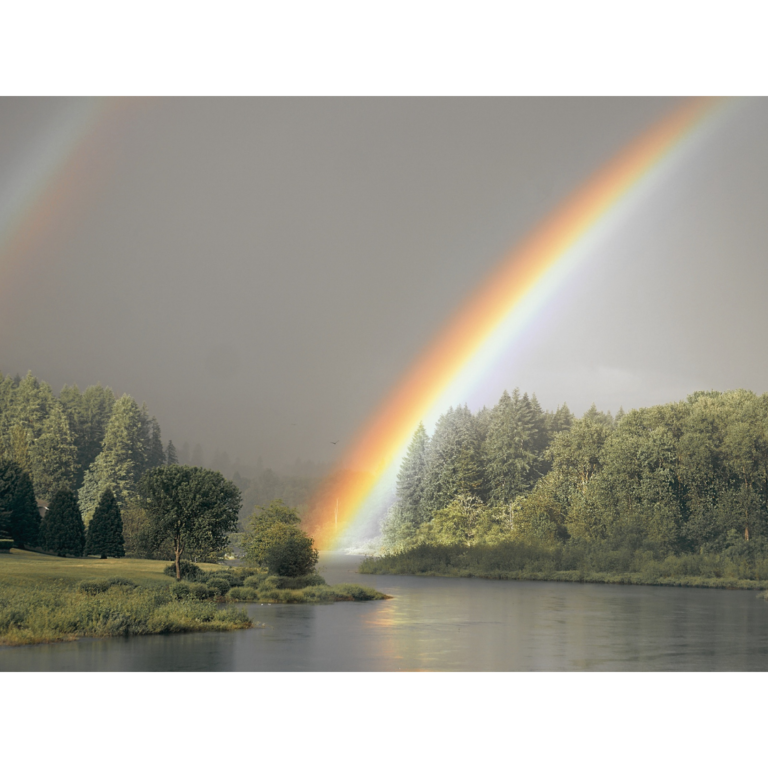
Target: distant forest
{"points": [[685, 477], [88, 441]]}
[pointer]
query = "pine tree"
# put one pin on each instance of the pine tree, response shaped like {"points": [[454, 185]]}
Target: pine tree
{"points": [[410, 479], [509, 448], [53, 455], [155, 453], [105, 531], [170, 454], [19, 516], [453, 464], [123, 453], [63, 530]]}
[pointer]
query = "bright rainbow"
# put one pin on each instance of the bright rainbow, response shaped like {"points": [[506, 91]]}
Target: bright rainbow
{"points": [[491, 319]]}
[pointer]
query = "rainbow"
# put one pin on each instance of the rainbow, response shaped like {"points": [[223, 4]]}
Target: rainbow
{"points": [[54, 173], [350, 503]]}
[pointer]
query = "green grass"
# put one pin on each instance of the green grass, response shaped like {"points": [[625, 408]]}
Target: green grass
{"points": [[593, 563], [47, 599]]}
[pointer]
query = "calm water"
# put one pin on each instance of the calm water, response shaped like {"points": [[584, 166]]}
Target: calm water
{"points": [[453, 625]]}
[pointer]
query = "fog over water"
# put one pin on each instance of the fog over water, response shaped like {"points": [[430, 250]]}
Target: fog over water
{"points": [[262, 271]]}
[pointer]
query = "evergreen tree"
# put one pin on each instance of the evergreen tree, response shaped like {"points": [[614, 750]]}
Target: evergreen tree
{"points": [[63, 530], [509, 448], [19, 516], [453, 463], [53, 455], [155, 453], [88, 414], [117, 466], [105, 531], [410, 479], [170, 454]]}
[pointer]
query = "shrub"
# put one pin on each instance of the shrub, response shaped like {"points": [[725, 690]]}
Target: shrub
{"points": [[6, 544], [292, 554], [198, 591], [179, 590], [97, 586], [218, 586], [232, 578], [255, 581], [189, 571], [246, 594]]}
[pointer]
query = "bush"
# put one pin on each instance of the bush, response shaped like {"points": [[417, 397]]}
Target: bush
{"points": [[232, 578], [218, 586], [179, 590], [5, 544], [189, 571], [245, 594], [198, 591], [97, 586], [255, 581]]}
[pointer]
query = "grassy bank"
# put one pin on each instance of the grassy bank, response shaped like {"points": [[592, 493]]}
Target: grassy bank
{"points": [[592, 563], [48, 599]]}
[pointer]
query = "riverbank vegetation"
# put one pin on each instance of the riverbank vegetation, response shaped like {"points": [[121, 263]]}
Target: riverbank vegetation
{"points": [[671, 493], [47, 599]]}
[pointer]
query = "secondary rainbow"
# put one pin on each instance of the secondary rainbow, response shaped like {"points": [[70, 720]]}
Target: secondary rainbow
{"points": [[491, 319]]}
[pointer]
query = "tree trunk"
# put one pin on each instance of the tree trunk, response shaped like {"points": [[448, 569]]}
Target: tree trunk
{"points": [[178, 557]]}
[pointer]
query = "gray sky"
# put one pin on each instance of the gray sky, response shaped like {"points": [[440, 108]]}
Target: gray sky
{"points": [[247, 265]]}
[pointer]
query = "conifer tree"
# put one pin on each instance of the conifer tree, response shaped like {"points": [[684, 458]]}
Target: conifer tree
{"points": [[410, 479], [453, 462], [19, 516], [118, 464], [105, 531], [63, 530], [155, 453], [170, 454], [53, 455], [509, 454]]}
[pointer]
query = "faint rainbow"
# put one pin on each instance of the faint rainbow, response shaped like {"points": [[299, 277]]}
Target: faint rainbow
{"points": [[32, 187], [492, 318]]}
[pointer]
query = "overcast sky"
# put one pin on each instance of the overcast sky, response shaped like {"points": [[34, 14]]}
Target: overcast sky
{"points": [[262, 271]]}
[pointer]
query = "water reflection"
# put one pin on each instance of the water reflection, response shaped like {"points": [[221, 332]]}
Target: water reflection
{"points": [[453, 624]]}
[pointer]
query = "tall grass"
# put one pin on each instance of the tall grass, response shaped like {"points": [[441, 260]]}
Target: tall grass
{"points": [[50, 613], [742, 566]]}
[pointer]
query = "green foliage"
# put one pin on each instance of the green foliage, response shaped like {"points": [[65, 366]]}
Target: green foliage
{"points": [[62, 530], [105, 531], [56, 612], [192, 508], [218, 586], [6, 544], [19, 515], [292, 553], [96, 586], [189, 571], [244, 594]]}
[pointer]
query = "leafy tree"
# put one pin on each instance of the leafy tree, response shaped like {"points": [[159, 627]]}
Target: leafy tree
{"points": [[264, 529], [105, 531], [19, 516], [62, 529], [291, 552], [193, 508]]}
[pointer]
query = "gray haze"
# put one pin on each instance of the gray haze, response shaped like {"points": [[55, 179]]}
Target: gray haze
{"points": [[262, 271]]}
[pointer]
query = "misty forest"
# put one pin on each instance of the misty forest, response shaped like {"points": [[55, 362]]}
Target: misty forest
{"points": [[671, 491]]}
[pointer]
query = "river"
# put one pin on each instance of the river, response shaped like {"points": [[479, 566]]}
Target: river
{"points": [[452, 625]]}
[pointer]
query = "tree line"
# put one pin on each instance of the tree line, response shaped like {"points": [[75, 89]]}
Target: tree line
{"points": [[684, 477], [96, 466]]}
